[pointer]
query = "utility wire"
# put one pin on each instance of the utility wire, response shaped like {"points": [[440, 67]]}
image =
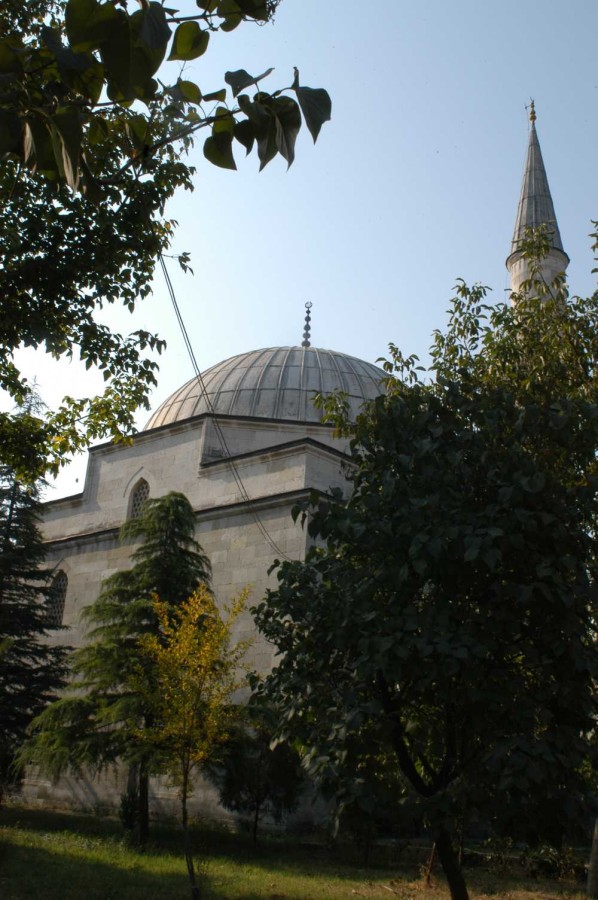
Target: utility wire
{"points": [[221, 438]]}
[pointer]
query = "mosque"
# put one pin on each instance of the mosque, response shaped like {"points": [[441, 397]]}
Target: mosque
{"points": [[244, 443]]}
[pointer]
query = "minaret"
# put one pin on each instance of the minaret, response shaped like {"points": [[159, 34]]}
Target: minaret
{"points": [[535, 208]]}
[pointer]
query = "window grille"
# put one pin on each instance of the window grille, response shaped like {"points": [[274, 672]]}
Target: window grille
{"points": [[138, 497], [56, 599]]}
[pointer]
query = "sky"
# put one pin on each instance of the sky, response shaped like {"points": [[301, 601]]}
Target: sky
{"points": [[413, 184]]}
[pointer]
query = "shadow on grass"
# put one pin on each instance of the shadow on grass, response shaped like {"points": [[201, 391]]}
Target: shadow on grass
{"points": [[28, 872]]}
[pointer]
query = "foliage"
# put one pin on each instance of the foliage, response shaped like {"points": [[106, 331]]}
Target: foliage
{"points": [[195, 672], [451, 601], [101, 719], [254, 777], [31, 670], [371, 797], [92, 146]]}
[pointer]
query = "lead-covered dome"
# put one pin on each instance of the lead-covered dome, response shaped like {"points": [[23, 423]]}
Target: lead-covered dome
{"points": [[276, 383]]}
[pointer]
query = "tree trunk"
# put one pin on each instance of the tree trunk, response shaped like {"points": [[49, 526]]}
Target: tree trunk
{"points": [[143, 823], [593, 867], [195, 893], [430, 866], [450, 864], [256, 819]]}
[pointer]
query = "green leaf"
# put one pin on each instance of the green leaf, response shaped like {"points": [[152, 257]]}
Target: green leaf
{"points": [[90, 83], [38, 151], [218, 150], [218, 96], [97, 130], [224, 123], [10, 131], [137, 128], [266, 142], [472, 549], [154, 31], [315, 104], [240, 79], [228, 8], [10, 58], [255, 112], [254, 9], [535, 483], [189, 91], [244, 133], [89, 23], [67, 60], [231, 22], [288, 124], [189, 42], [144, 63], [117, 56], [68, 128]]}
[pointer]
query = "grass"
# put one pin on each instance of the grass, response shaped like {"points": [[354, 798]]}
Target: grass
{"points": [[63, 857]]}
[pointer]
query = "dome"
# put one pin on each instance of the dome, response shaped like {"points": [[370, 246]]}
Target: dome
{"points": [[276, 383]]}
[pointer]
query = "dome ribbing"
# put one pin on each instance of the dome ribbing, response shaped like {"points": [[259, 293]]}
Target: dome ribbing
{"points": [[275, 383]]}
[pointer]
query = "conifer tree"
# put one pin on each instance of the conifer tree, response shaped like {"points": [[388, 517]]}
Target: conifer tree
{"points": [[105, 717], [31, 670]]}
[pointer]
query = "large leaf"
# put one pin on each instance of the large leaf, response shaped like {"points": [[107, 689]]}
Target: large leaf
{"points": [[315, 104], [138, 130], [117, 56], [38, 151], [266, 142], [89, 23], [189, 42], [240, 79], [10, 59], [155, 31], [228, 8], [90, 83], [245, 133], [224, 121], [186, 90], [254, 9], [215, 95], [218, 150], [10, 131], [68, 61], [256, 112], [288, 124], [68, 128]]}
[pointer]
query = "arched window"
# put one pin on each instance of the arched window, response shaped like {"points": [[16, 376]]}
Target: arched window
{"points": [[56, 599], [139, 495]]}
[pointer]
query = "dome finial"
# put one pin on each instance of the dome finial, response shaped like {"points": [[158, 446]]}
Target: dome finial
{"points": [[307, 330], [532, 111]]}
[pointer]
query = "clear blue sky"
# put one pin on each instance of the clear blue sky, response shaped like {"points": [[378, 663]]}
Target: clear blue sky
{"points": [[413, 183]]}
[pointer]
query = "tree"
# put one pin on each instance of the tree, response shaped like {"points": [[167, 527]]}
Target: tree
{"points": [[92, 146], [195, 672], [102, 718], [450, 601], [31, 670], [252, 776]]}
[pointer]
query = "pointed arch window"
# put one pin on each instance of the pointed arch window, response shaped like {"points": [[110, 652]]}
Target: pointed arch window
{"points": [[139, 495], [57, 599]]}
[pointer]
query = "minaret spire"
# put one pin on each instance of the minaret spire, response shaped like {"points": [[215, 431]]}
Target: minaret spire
{"points": [[535, 208]]}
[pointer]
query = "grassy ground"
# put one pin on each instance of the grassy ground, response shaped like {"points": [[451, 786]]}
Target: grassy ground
{"points": [[63, 857]]}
